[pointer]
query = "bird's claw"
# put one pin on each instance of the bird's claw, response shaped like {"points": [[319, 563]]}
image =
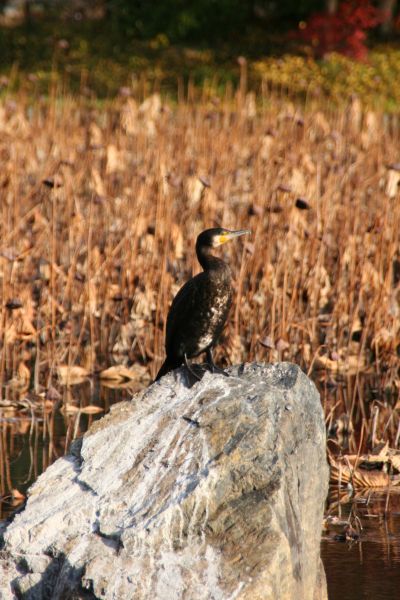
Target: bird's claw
{"points": [[215, 369]]}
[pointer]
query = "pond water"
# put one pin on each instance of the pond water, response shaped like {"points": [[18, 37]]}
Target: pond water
{"points": [[367, 568]]}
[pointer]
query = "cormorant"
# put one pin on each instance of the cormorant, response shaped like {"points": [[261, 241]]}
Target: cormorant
{"points": [[200, 308]]}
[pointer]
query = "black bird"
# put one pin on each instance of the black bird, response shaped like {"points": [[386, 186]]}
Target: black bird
{"points": [[200, 308]]}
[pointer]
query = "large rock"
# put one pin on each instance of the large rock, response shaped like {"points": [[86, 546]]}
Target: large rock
{"points": [[209, 492]]}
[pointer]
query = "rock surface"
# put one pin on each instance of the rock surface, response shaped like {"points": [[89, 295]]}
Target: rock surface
{"points": [[210, 492]]}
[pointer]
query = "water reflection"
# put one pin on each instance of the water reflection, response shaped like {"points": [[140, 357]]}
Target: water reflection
{"points": [[368, 568]]}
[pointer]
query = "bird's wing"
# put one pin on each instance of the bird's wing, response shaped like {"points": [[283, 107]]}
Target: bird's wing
{"points": [[182, 308]]}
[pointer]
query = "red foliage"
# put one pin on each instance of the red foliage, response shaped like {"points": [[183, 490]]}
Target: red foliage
{"points": [[343, 31]]}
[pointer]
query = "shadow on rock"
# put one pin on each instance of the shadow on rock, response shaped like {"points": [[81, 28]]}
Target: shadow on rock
{"points": [[59, 579]]}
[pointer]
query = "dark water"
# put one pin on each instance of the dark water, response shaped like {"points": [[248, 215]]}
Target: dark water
{"points": [[367, 569]]}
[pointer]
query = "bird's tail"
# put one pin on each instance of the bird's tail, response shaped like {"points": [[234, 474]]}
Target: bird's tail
{"points": [[167, 366]]}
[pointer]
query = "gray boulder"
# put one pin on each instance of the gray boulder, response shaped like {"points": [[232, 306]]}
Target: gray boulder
{"points": [[214, 491]]}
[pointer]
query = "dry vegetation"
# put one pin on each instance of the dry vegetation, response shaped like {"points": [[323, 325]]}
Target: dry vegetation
{"points": [[100, 211]]}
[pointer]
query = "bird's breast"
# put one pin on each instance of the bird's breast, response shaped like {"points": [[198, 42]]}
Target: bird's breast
{"points": [[212, 317]]}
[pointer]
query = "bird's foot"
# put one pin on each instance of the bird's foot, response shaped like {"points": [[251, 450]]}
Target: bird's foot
{"points": [[195, 375], [214, 369], [190, 369], [212, 366]]}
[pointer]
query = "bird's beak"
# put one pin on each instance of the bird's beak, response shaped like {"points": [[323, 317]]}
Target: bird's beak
{"points": [[230, 235]]}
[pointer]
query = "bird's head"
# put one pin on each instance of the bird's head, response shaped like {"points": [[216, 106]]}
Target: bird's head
{"points": [[211, 238]]}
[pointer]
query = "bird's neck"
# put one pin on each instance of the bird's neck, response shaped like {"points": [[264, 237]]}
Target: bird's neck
{"points": [[207, 260]]}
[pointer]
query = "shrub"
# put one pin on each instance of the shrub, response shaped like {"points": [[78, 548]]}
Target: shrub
{"points": [[344, 31]]}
